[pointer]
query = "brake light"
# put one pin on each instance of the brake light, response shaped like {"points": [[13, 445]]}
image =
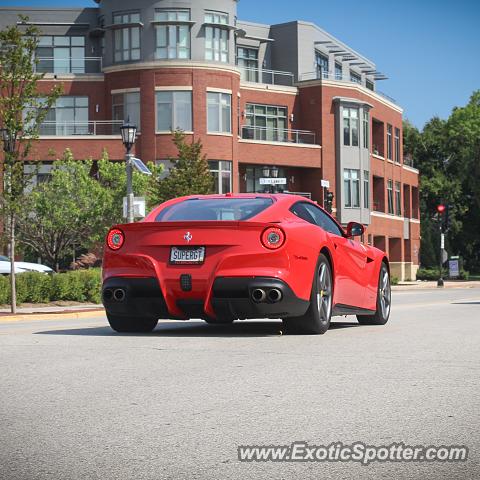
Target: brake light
{"points": [[273, 238], [115, 239]]}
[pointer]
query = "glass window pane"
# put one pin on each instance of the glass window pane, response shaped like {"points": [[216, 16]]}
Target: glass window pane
{"points": [[77, 41], [135, 37], [161, 36], [62, 41], [183, 110]]}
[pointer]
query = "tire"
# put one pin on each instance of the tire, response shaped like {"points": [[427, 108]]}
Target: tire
{"points": [[129, 324], [317, 318], [384, 300]]}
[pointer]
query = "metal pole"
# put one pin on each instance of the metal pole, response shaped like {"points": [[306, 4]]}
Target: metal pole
{"points": [[442, 245], [128, 162]]}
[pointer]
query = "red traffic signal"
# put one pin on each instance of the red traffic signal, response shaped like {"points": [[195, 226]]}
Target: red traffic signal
{"points": [[441, 208]]}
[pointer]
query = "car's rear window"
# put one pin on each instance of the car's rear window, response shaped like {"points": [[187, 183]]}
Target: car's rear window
{"points": [[217, 209]]}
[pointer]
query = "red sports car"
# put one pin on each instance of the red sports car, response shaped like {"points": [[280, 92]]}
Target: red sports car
{"points": [[227, 257]]}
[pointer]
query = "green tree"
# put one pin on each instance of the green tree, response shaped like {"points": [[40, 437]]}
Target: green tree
{"points": [[189, 174], [22, 109], [447, 152], [66, 210]]}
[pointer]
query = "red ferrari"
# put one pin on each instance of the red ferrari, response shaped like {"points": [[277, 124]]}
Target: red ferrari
{"points": [[227, 257]]}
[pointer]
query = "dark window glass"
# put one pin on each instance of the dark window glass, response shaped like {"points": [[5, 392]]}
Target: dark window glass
{"points": [[315, 215], [214, 209]]}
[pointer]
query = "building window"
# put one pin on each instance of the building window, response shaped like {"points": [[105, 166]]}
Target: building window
{"points": [[366, 129], [398, 199], [397, 145], [126, 106], [338, 71], [222, 174], [390, 196], [389, 141], [355, 77], [172, 41], [126, 40], [61, 54], [216, 38], [219, 112], [216, 17], [351, 182], [247, 60], [366, 189], [69, 116], [174, 111], [322, 65], [369, 85], [265, 122], [350, 126]]}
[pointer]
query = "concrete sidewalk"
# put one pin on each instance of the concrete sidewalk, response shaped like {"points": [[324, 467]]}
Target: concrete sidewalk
{"points": [[433, 284], [51, 312]]}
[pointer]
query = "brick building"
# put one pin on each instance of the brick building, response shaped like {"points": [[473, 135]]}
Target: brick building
{"points": [[283, 107]]}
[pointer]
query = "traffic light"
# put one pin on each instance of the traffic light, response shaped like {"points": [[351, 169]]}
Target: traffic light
{"points": [[443, 216], [329, 196]]}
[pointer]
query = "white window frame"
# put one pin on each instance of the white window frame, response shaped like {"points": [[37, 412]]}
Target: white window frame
{"points": [[351, 176], [223, 100], [174, 110]]}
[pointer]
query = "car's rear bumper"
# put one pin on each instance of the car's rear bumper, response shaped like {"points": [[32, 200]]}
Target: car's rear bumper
{"points": [[230, 298]]}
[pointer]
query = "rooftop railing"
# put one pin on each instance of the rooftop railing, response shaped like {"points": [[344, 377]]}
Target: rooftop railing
{"points": [[267, 134], [270, 77], [70, 65], [87, 128], [340, 78]]}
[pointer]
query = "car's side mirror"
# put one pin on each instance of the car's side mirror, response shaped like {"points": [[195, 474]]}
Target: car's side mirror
{"points": [[354, 229]]}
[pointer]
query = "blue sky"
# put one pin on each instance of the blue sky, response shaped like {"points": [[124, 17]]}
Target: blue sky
{"points": [[428, 48]]}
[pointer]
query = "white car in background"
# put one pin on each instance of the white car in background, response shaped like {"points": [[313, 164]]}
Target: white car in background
{"points": [[21, 267], [5, 268]]}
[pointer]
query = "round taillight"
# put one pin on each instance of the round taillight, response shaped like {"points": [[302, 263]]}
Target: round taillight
{"points": [[115, 239], [273, 238]]}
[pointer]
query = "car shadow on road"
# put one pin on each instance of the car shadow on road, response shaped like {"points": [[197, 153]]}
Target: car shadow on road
{"points": [[466, 303], [195, 329]]}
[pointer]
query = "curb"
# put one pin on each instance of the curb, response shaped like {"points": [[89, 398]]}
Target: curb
{"points": [[33, 317]]}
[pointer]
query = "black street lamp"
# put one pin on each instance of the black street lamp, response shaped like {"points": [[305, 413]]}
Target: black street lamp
{"points": [[274, 172], [129, 134]]}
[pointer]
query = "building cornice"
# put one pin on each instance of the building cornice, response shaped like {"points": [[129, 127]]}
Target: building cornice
{"points": [[161, 64], [353, 87]]}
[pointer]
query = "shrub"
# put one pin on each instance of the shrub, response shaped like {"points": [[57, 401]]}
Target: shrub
{"points": [[35, 287], [432, 274]]}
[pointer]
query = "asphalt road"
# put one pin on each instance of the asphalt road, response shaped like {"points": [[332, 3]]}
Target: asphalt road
{"points": [[80, 402]]}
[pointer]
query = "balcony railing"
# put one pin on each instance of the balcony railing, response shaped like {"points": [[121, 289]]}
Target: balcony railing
{"points": [[88, 128], [339, 78], [266, 134], [59, 66], [271, 77]]}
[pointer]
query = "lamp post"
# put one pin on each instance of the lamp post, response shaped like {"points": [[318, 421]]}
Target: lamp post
{"points": [[8, 149], [129, 133]]}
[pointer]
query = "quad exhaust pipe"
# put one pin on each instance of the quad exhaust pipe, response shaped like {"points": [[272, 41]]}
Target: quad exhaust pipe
{"points": [[272, 295], [117, 294]]}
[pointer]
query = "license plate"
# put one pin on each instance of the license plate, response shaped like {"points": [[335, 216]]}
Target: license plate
{"points": [[187, 255]]}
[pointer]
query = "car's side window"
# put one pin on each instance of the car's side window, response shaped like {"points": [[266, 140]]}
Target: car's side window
{"points": [[311, 213], [300, 211]]}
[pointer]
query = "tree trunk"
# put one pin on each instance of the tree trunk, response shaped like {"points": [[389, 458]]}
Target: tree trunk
{"points": [[13, 300]]}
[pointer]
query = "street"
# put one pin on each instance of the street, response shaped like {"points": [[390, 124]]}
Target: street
{"points": [[78, 401]]}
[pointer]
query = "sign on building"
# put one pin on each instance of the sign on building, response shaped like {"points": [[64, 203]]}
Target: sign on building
{"points": [[273, 181]]}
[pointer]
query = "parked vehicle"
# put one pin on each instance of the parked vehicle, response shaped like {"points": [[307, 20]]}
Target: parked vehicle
{"points": [[27, 266], [5, 268], [228, 257]]}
